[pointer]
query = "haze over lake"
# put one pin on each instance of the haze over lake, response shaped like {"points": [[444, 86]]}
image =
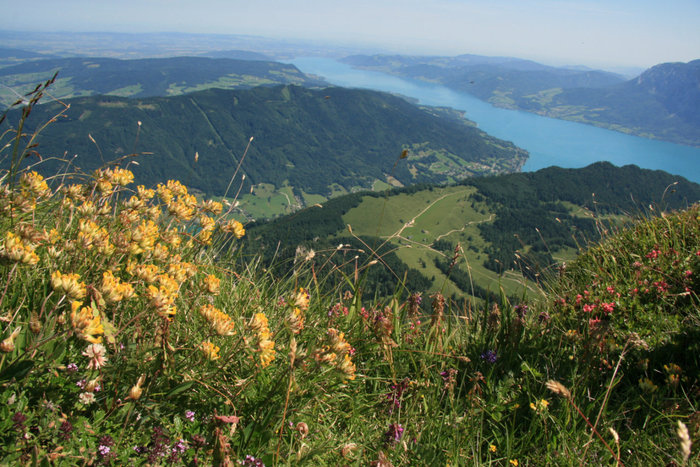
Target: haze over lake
{"points": [[549, 141]]}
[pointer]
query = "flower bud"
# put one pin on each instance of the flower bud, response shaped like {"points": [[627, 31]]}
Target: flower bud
{"points": [[8, 345], [135, 391]]}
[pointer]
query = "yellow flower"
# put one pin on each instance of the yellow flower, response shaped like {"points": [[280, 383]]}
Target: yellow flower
{"points": [[34, 184], [267, 351], [14, 249], [235, 228], [347, 367], [212, 207], [295, 320], [338, 342], [68, 284], [220, 321], [514, 462], [492, 448], [211, 284], [209, 350], [86, 322], [302, 299]]}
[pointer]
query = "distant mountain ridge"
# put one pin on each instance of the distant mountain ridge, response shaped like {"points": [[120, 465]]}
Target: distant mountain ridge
{"points": [[314, 141], [84, 76], [662, 103]]}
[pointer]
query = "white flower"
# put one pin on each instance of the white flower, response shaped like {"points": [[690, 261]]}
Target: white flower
{"points": [[97, 354]]}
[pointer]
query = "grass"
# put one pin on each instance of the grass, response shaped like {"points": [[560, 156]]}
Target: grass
{"points": [[134, 334]]}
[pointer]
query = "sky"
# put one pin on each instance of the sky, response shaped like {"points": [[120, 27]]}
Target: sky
{"points": [[638, 33]]}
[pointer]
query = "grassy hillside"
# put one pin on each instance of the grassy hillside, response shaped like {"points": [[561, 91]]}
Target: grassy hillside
{"points": [[483, 237], [135, 332], [661, 103], [306, 142], [84, 76]]}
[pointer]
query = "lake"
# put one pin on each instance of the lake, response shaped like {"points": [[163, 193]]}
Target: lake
{"points": [[549, 141]]}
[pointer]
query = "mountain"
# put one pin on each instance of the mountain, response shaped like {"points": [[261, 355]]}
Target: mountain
{"points": [[147, 77], [661, 103], [480, 237], [313, 144]]}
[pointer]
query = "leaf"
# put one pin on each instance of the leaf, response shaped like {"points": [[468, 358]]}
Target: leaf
{"points": [[527, 368], [17, 370], [110, 331], [180, 388]]}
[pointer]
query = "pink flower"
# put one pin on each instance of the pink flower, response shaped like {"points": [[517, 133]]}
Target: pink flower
{"points": [[593, 323], [588, 308], [607, 307]]}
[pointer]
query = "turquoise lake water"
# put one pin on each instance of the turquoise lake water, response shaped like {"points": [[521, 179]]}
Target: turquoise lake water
{"points": [[549, 141]]}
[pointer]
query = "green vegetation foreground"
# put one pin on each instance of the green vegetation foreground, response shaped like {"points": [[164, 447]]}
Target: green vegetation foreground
{"points": [[133, 334]]}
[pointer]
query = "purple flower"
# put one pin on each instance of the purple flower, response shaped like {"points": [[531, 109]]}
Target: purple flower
{"points": [[180, 447], [103, 450], [521, 310], [394, 434], [490, 356], [81, 383], [189, 415], [252, 462], [71, 368]]}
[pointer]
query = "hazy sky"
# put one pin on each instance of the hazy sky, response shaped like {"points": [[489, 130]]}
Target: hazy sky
{"points": [[596, 32]]}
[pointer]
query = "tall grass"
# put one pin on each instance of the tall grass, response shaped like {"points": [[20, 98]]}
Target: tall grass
{"points": [[134, 333]]}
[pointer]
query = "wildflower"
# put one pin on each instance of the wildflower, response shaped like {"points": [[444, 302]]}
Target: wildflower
{"points": [[607, 307], [647, 385], [394, 434], [189, 415], [492, 447], [68, 284], [347, 367], [16, 250], [235, 228], [209, 350], [71, 368], [113, 290], [540, 406], [212, 207], [34, 184], [8, 345], [490, 356], [220, 321], [87, 398], [338, 342], [302, 299], [211, 284], [86, 322], [136, 391], [513, 462], [295, 320], [103, 450], [97, 355]]}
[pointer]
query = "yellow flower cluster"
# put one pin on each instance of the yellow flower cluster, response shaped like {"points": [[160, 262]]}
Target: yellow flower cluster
{"points": [[105, 179], [337, 353], [295, 317], [211, 284], [221, 322], [86, 322], [114, 290], [69, 284], [179, 202], [235, 228], [162, 298], [16, 250], [266, 346], [210, 350]]}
